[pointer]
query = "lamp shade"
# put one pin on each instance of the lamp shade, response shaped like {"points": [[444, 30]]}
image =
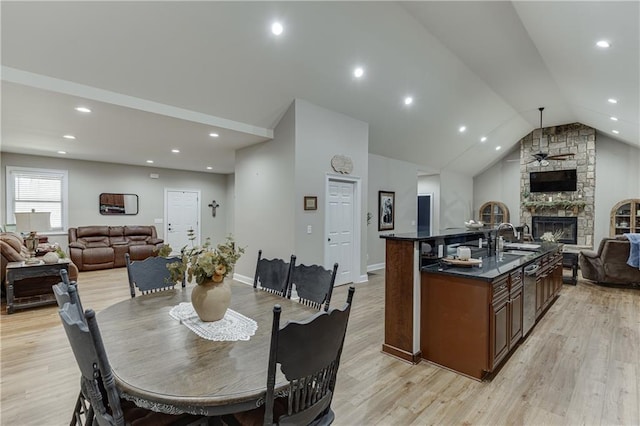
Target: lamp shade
{"points": [[33, 221]]}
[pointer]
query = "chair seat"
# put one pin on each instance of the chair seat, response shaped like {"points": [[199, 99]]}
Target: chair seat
{"points": [[136, 416]]}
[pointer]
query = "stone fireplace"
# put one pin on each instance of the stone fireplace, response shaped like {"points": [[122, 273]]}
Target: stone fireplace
{"points": [[576, 205]]}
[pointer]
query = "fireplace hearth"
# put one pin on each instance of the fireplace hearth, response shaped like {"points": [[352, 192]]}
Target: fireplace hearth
{"points": [[567, 225]]}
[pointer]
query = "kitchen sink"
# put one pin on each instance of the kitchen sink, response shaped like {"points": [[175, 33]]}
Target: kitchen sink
{"points": [[519, 252]]}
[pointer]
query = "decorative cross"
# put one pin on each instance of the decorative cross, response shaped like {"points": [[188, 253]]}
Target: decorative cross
{"points": [[214, 206]]}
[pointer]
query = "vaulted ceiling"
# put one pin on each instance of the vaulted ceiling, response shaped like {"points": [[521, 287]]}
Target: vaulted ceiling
{"points": [[163, 75]]}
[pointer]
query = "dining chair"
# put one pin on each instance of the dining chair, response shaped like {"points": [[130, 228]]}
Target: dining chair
{"points": [[97, 382], [273, 275], [313, 284], [309, 356], [150, 275], [66, 292]]}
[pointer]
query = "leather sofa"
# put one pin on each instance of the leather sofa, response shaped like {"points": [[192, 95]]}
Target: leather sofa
{"points": [[13, 250], [104, 247], [608, 265]]}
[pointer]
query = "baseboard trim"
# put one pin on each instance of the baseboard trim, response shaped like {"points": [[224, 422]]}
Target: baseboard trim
{"points": [[243, 279], [375, 267]]}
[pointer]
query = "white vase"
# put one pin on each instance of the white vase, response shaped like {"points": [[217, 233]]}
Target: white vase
{"points": [[210, 300]]}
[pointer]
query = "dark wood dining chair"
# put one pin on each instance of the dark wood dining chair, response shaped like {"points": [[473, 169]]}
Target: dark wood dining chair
{"points": [[308, 353], [313, 284], [97, 382], [150, 275], [273, 275]]}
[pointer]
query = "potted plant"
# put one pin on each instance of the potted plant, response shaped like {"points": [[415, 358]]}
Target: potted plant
{"points": [[209, 266]]}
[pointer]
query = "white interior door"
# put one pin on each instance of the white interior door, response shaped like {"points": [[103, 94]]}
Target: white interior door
{"points": [[340, 229], [183, 214]]}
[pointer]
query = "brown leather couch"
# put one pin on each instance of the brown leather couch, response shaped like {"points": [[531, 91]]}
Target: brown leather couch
{"points": [[13, 250], [609, 264], [104, 247]]}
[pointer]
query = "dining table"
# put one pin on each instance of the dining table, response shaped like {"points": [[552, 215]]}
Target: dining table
{"points": [[160, 364]]}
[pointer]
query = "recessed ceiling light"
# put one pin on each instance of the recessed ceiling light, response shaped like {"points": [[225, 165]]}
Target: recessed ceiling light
{"points": [[62, 152], [462, 129], [83, 109], [498, 148], [612, 101], [175, 151], [408, 100], [214, 135], [614, 118], [483, 139], [615, 131], [69, 137], [209, 168], [603, 44], [150, 161], [358, 72], [277, 28]]}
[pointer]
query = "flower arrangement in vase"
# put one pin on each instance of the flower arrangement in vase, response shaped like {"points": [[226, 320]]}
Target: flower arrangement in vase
{"points": [[208, 265]]}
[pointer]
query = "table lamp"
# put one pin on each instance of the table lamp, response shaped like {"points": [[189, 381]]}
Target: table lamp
{"points": [[31, 223]]}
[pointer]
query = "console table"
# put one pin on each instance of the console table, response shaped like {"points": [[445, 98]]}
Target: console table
{"points": [[17, 271]]}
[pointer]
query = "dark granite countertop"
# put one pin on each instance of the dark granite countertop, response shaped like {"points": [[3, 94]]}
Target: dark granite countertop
{"points": [[492, 267], [420, 236]]}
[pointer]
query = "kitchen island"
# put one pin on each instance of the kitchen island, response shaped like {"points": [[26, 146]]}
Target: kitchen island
{"points": [[474, 317], [467, 319]]}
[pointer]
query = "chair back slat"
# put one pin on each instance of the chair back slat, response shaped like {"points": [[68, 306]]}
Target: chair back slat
{"points": [[150, 275], [309, 356], [273, 275], [313, 284]]}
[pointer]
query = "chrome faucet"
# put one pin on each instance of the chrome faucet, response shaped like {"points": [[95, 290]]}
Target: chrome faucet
{"points": [[515, 232]]}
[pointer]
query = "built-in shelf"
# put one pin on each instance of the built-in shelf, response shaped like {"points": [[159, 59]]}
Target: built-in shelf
{"points": [[625, 217]]}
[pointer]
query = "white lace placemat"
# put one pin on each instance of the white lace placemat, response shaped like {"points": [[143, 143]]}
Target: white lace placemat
{"points": [[233, 327]]}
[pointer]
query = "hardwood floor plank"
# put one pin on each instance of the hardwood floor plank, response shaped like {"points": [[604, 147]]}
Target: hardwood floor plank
{"points": [[580, 365]]}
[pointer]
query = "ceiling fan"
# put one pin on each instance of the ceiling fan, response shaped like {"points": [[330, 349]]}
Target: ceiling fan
{"points": [[542, 158]]}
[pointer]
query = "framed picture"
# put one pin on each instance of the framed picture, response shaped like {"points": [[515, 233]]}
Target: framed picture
{"points": [[386, 210], [310, 203]]}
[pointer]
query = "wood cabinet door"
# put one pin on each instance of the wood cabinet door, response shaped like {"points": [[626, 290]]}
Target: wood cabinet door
{"points": [[499, 331], [515, 318]]}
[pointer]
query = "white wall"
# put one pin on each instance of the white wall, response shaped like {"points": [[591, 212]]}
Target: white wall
{"points": [[617, 178], [87, 179], [264, 197], [500, 183], [321, 134], [456, 199]]}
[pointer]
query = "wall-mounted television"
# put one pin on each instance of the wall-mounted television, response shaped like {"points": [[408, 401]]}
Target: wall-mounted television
{"points": [[553, 181]]}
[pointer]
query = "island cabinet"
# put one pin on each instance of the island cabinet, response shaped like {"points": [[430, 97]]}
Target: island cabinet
{"points": [[470, 325], [548, 281], [505, 316]]}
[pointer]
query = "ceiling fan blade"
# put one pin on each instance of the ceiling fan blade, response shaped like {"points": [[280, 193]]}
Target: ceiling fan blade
{"points": [[560, 156]]}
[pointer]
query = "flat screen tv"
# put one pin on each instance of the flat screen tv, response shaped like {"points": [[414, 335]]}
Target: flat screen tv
{"points": [[553, 181]]}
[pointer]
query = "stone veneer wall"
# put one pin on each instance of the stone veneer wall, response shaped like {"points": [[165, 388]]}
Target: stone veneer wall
{"points": [[570, 138]]}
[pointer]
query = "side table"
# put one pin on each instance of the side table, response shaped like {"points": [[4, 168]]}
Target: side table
{"points": [[17, 271], [570, 260]]}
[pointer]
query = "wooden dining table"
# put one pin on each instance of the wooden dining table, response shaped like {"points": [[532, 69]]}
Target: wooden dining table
{"points": [[160, 364]]}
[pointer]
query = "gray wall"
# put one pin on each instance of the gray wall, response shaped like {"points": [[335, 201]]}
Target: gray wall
{"points": [[87, 179], [617, 178], [500, 183], [401, 177], [264, 197], [456, 199], [321, 134]]}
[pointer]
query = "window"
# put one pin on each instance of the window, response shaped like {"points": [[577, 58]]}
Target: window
{"points": [[40, 190]]}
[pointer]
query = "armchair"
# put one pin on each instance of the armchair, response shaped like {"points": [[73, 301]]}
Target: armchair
{"points": [[609, 264]]}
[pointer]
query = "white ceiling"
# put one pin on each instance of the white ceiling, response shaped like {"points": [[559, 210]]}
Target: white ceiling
{"points": [[163, 75]]}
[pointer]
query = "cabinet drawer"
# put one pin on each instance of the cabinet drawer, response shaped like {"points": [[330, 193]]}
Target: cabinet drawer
{"points": [[500, 289]]}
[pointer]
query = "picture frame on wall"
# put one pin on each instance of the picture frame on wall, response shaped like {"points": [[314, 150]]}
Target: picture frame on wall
{"points": [[310, 202], [386, 210]]}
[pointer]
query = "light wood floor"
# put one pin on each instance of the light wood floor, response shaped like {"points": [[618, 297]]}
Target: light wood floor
{"points": [[580, 365]]}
